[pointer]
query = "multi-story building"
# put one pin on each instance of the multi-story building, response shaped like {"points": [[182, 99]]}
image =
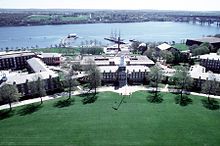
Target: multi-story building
{"points": [[211, 62], [23, 80], [121, 70], [214, 41], [199, 75], [15, 60], [50, 58]]}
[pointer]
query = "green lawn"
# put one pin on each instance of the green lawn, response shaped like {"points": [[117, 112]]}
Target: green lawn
{"points": [[64, 51], [181, 47], [38, 17], [137, 122], [71, 18]]}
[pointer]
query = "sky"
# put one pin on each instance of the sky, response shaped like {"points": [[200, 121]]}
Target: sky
{"points": [[188, 5]]}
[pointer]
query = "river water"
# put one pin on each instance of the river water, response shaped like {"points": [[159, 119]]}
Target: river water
{"points": [[44, 36]]}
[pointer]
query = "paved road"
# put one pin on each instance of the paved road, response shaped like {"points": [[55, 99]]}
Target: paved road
{"points": [[126, 90]]}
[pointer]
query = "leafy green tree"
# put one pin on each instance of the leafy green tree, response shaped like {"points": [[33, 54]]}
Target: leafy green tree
{"points": [[209, 46], [201, 50], [135, 47], [91, 50], [76, 67], [182, 79], [151, 53], [94, 78], [155, 76], [168, 56], [9, 93], [194, 46]]}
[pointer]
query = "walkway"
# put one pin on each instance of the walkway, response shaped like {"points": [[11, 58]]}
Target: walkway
{"points": [[126, 90]]}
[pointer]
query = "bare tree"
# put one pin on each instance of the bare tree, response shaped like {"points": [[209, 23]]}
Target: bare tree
{"points": [[94, 78], [210, 86], [70, 81], [182, 79], [155, 76], [37, 88]]}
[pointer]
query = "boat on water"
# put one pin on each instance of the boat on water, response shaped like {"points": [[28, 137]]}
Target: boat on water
{"points": [[72, 35], [67, 40]]}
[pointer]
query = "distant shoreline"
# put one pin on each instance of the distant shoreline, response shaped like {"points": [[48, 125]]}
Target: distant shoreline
{"points": [[29, 17]]}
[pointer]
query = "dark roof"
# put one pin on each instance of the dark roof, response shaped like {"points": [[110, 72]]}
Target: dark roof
{"points": [[210, 40]]}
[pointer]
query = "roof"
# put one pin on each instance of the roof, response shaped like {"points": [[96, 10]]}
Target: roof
{"points": [[11, 54], [164, 46], [199, 72], [114, 48], [166, 70], [211, 56], [128, 68], [207, 39], [20, 78], [49, 55], [105, 60], [142, 45], [37, 65]]}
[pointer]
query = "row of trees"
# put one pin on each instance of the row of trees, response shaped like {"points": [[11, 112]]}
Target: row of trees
{"points": [[202, 49], [183, 81], [9, 93], [91, 50], [93, 79]]}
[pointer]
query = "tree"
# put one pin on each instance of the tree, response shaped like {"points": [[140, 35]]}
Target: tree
{"points": [[9, 93], [182, 80], [94, 78], [201, 50], [70, 81], [209, 46], [218, 51], [135, 46], [168, 56], [37, 88], [76, 67], [151, 53], [194, 46], [217, 35], [210, 86], [155, 76]]}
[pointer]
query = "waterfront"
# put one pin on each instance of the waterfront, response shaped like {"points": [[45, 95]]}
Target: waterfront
{"points": [[44, 36]]}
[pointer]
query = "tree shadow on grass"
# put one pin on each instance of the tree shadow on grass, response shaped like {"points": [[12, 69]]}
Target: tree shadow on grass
{"points": [[212, 104], [89, 98], [184, 101], [29, 109], [154, 99], [64, 103], [4, 114]]}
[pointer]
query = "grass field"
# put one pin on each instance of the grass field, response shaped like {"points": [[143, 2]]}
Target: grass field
{"points": [[38, 17], [64, 51], [137, 122], [79, 18], [181, 47]]}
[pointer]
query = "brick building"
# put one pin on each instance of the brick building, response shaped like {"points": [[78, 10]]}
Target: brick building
{"points": [[211, 62], [15, 60]]}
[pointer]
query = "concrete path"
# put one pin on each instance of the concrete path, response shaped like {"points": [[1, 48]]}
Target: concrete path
{"points": [[126, 90]]}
